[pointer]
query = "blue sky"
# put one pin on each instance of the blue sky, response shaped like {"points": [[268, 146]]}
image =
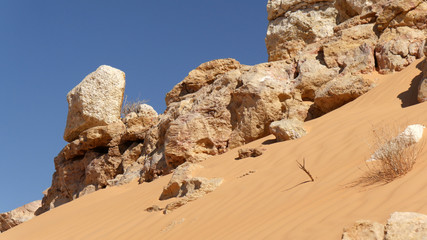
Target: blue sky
{"points": [[47, 47]]}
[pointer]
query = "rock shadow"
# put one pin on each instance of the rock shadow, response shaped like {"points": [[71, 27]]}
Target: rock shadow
{"points": [[409, 97]]}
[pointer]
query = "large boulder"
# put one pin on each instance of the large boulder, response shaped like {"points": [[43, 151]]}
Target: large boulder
{"points": [[399, 47], [294, 24], [96, 101], [139, 122], [340, 91], [406, 225], [17, 216]]}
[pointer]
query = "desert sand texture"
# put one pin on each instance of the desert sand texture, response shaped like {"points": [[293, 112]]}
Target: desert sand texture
{"points": [[267, 197]]}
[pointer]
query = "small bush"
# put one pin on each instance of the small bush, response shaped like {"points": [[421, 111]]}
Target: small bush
{"points": [[130, 106], [392, 157]]}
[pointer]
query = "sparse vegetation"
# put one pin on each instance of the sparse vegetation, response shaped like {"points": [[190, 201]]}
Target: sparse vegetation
{"points": [[392, 156], [129, 106], [302, 167]]}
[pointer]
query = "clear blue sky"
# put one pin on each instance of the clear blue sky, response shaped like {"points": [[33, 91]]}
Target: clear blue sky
{"points": [[47, 47]]}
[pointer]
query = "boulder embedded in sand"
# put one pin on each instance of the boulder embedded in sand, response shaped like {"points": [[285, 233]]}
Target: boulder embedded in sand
{"points": [[364, 229], [287, 129], [96, 101], [19, 215], [340, 91], [249, 152], [406, 225], [422, 88]]}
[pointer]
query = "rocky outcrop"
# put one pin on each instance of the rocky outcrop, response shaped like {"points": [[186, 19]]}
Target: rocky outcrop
{"points": [[364, 229], [400, 226], [422, 87], [186, 187], [287, 129], [294, 24], [139, 122], [340, 91], [96, 101], [17, 216], [354, 35]]}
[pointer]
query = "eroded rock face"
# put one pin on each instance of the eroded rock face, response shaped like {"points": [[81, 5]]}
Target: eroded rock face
{"points": [[96, 101], [17, 216], [399, 47], [139, 122], [294, 24], [340, 91]]}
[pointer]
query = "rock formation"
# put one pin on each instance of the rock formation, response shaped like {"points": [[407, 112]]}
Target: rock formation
{"points": [[400, 226], [249, 152], [96, 101], [19, 215], [422, 88], [350, 34]]}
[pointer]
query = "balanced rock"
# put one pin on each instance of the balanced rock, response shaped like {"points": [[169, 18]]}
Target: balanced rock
{"points": [[96, 101], [287, 129], [406, 225], [364, 229], [17, 216]]}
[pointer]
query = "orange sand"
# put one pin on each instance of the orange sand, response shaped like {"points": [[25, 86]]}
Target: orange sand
{"points": [[267, 204]]}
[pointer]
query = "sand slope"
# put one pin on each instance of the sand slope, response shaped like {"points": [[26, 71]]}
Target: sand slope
{"points": [[273, 202]]}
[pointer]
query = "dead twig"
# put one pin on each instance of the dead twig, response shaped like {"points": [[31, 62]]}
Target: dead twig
{"points": [[302, 167]]}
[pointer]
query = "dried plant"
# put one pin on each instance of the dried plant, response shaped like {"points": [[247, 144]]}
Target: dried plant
{"points": [[302, 167], [130, 106], [392, 156]]}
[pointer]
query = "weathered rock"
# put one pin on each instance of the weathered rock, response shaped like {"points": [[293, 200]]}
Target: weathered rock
{"points": [[139, 122], [392, 9], [416, 18], [203, 75], [406, 225], [293, 24], [96, 101], [19, 215], [249, 152], [186, 187], [352, 50], [340, 91], [287, 129], [422, 88], [261, 99], [351, 8], [364, 229], [397, 48]]}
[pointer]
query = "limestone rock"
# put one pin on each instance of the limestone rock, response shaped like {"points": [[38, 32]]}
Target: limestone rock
{"points": [[203, 75], [406, 225], [364, 229], [186, 187], [96, 101], [415, 18], [19, 215], [351, 8], [139, 122], [249, 152], [340, 91], [422, 88], [293, 24], [392, 9], [352, 50], [287, 129], [397, 48]]}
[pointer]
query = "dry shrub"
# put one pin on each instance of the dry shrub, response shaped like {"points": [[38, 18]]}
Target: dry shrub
{"points": [[130, 106], [394, 156]]}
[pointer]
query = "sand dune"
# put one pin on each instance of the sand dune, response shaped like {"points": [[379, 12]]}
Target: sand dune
{"points": [[273, 202]]}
